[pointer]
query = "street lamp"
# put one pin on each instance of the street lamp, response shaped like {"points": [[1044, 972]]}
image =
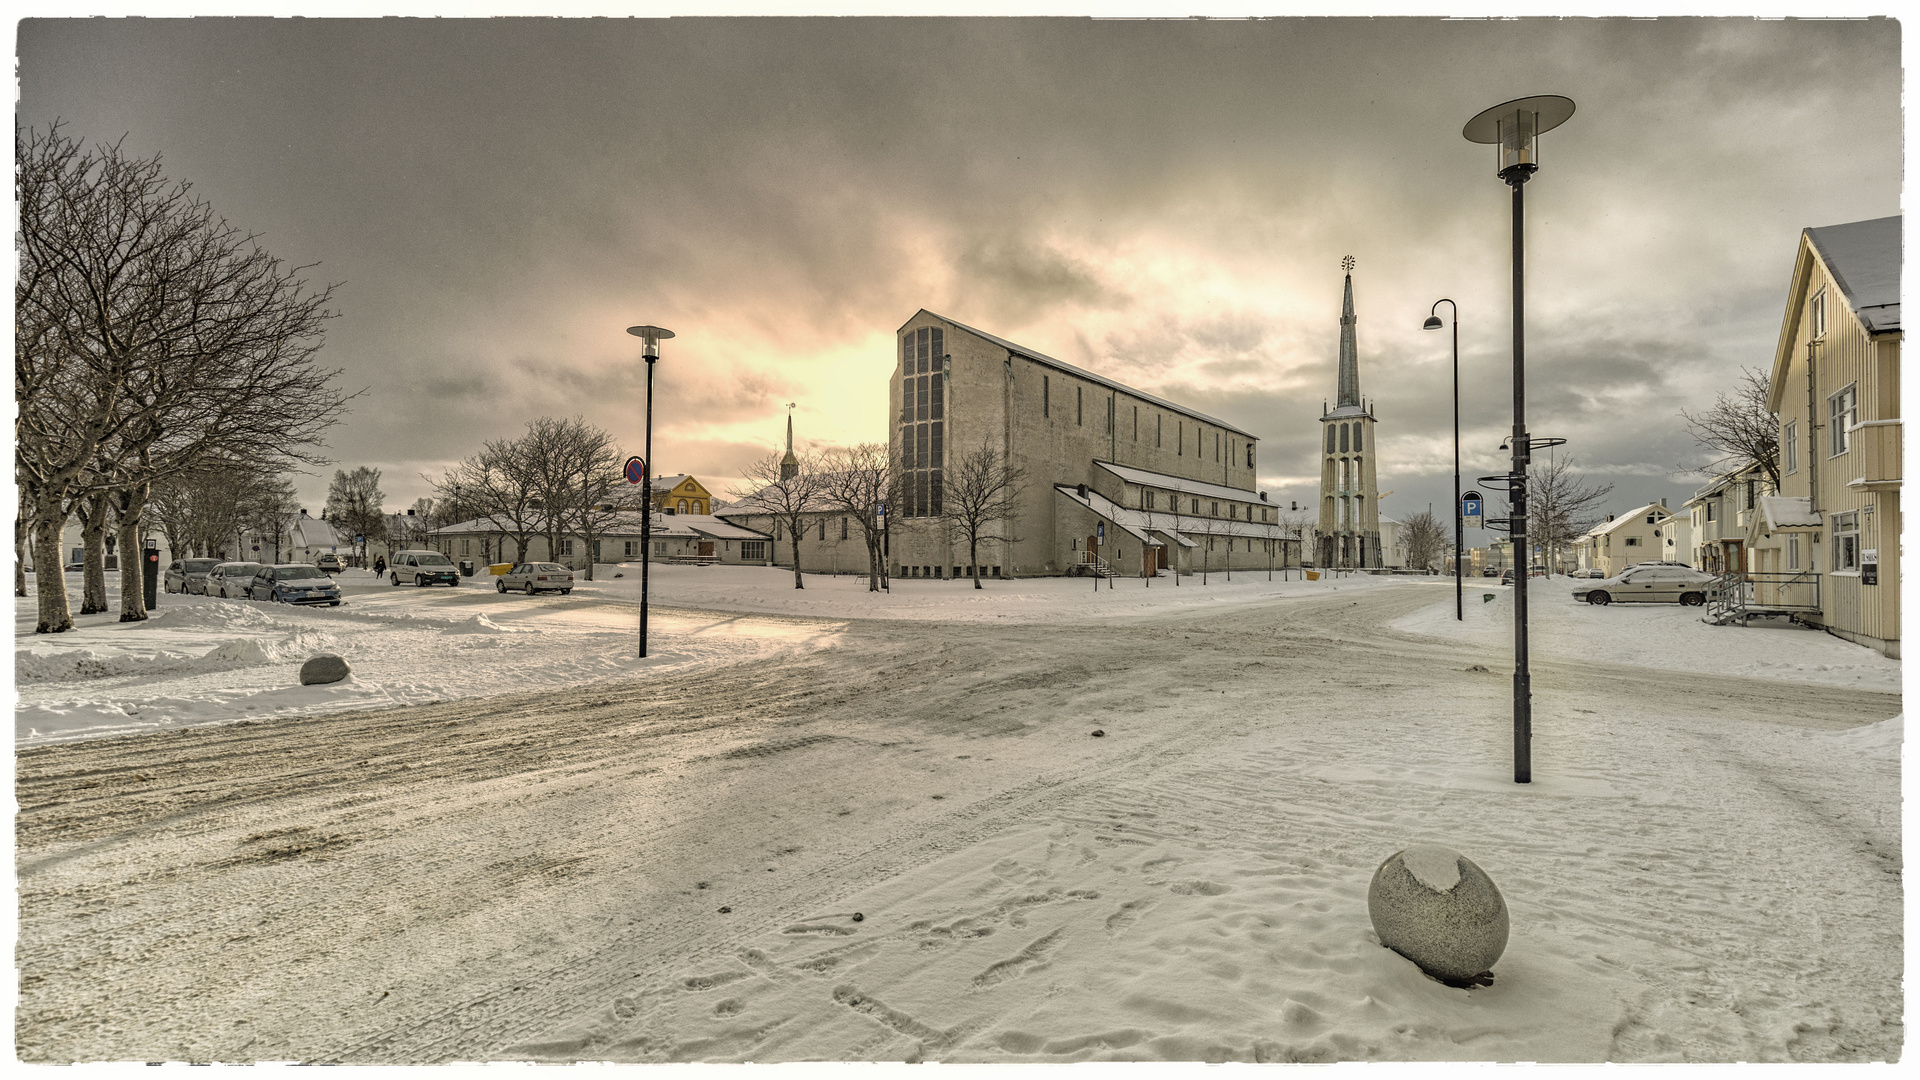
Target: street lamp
{"points": [[1433, 323], [652, 336], [1514, 129]]}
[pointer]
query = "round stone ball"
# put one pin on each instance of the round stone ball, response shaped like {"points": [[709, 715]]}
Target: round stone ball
{"points": [[1433, 906]]}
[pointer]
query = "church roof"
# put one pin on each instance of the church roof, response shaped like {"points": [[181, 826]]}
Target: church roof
{"points": [[1149, 478], [1062, 365]]}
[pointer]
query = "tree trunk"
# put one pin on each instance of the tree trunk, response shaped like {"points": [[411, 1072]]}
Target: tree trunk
{"points": [[973, 556], [50, 579], [873, 561], [797, 582], [22, 531], [133, 593], [588, 539], [93, 536]]}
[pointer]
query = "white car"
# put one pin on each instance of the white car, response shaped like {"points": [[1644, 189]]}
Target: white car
{"points": [[533, 577], [230, 580], [422, 568], [1649, 583]]}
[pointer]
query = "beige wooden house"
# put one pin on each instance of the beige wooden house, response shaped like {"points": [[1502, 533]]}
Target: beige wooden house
{"points": [[1637, 536], [1835, 388]]}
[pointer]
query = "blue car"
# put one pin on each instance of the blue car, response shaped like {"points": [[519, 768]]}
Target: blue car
{"points": [[294, 583]]}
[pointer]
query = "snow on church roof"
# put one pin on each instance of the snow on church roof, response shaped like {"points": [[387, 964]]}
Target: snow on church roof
{"points": [[1148, 478], [1083, 373]]}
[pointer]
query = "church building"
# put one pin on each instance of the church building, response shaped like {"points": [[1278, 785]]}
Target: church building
{"points": [[1118, 481], [1349, 532]]}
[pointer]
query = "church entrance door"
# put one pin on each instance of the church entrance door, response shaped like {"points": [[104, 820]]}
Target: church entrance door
{"points": [[1093, 549], [1147, 559]]}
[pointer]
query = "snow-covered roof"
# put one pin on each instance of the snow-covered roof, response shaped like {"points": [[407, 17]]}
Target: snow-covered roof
{"points": [[1864, 259], [1789, 512], [1148, 478], [711, 526], [311, 532], [668, 483], [1629, 518], [1139, 522], [1083, 373], [624, 523]]}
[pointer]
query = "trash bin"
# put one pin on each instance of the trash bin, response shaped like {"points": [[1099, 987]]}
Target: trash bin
{"points": [[466, 567]]}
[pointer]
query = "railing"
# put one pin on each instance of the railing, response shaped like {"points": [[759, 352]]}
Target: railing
{"points": [[1739, 596], [1096, 564], [1877, 444]]}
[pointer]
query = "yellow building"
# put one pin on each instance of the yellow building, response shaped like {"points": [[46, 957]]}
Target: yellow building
{"points": [[681, 494], [1835, 388]]}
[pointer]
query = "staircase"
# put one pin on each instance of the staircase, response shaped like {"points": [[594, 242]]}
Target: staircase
{"points": [[1096, 565], [1737, 597]]}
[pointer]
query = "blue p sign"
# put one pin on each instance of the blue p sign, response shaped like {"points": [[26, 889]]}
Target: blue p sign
{"points": [[1100, 530]]}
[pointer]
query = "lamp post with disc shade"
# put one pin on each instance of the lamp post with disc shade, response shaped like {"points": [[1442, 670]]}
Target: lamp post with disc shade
{"points": [[1433, 323], [652, 336], [1514, 129]]}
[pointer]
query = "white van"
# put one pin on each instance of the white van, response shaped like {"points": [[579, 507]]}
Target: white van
{"points": [[422, 568]]}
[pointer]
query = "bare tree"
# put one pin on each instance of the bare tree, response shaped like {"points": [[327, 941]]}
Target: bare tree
{"points": [[499, 486], [353, 504], [1425, 538], [979, 500], [1738, 430], [1561, 507], [856, 481], [789, 499], [148, 334], [592, 466]]}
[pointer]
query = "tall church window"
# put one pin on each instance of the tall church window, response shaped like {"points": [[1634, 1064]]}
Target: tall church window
{"points": [[1046, 396], [843, 528], [1249, 455], [1159, 422], [1136, 423], [1181, 446], [922, 411], [1357, 430], [1343, 438], [1329, 438], [1079, 406]]}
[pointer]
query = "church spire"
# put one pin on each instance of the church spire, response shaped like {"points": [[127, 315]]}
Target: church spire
{"points": [[1349, 352], [789, 465]]}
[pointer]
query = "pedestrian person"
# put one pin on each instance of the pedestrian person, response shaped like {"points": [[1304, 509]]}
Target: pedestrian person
{"points": [[379, 565]]}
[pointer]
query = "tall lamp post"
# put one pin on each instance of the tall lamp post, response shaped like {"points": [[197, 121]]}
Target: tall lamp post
{"points": [[1514, 129], [652, 336], [1433, 323]]}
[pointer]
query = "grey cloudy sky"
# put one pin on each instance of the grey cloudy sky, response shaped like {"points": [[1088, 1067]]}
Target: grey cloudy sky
{"points": [[1166, 202]]}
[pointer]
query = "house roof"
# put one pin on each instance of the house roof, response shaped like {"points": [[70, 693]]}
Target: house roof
{"points": [[624, 523], [1062, 365], [311, 532], [1789, 512], [1864, 259], [711, 526], [1628, 518], [1149, 478]]}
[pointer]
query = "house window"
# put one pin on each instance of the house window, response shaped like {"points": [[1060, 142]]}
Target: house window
{"points": [[843, 528], [823, 528], [1793, 553], [466, 545], [1710, 507], [566, 547], [1842, 413], [1817, 316], [1214, 510], [1149, 500], [629, 548], [1846, 541], [753, 549], [1790, 445], [659, 547], [1633, 541]]}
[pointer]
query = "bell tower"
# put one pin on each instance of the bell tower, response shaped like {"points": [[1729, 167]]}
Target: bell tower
{"points": [[1349, 533]]}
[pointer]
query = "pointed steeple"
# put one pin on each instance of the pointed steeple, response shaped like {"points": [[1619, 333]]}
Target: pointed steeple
{"points": [[789, 465], [1349, 352]]}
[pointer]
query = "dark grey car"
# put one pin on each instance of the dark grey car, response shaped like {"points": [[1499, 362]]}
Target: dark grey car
{"points": [[187, 575]]}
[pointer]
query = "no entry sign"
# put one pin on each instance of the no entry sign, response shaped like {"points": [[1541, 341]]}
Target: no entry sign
{"points": [[636, 470]]}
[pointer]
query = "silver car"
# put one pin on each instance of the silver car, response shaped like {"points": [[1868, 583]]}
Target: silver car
{"points": [[1649, 583], [230, 580], [533, 577], [187, 575]]}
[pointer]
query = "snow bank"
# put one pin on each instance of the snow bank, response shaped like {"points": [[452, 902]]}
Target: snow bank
{"points": [[1665, 636]]}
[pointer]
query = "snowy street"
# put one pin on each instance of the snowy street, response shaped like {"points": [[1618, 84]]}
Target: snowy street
{"points": [[846, 837]]}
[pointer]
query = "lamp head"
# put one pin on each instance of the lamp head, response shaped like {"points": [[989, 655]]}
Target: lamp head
{"points": [[652, 335], [1433, 323], [1514, 128]]}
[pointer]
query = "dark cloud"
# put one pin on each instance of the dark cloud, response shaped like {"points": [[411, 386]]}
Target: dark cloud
{"points": [[1164, 201]]}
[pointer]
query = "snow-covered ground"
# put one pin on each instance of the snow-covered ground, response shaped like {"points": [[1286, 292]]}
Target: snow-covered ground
{"points": [[201, 660], [1713, 874], [1665, 636]]}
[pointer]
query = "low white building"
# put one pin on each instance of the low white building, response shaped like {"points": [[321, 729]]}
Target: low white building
{"points": [[1637, 536]]}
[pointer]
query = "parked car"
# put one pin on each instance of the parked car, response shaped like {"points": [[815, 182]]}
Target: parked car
{"points": [[330, 563], [187, 575], [536, 577], [422, 568], [1649, 583], [230, 580], [1589, 572], [294, 583], [1490, 572], [1506, 576]]}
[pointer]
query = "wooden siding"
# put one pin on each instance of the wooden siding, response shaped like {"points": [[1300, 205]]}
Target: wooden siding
{"points": [[1845, 356]]}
